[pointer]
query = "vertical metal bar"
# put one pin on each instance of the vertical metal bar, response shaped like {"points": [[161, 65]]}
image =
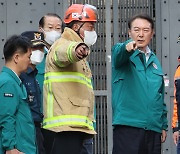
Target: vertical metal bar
{"points": [[101, 47], [158, 30], [3, 29], [123, 18], [115, 21], [120, 21], [100, 75], [165, 28], [104, 72], [132, 12], [65, 5], [108, 54], [127, 7], [105, 123], [101, 125]]}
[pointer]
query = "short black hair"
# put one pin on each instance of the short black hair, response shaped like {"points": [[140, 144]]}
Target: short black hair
{"points": [[141, 16], [41, 21], [14, 43]]}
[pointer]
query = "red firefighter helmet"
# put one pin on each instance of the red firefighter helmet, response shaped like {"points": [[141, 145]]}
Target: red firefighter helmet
{"points": [[80, 12]]}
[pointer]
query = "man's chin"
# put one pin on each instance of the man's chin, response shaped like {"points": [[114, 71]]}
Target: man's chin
{"points": [[141, 47]]}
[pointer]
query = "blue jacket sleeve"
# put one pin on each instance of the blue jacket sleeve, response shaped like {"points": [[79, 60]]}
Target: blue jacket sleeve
{"points": [[120, 55], [8, 105], [177, 96]]}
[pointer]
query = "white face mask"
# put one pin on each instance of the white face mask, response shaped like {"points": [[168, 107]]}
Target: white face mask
{"points": [[37, 57], [90, 37], [52, 36]]}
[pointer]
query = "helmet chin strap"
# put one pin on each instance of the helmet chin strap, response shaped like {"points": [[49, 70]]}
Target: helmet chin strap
{"points": [[78, 31]]}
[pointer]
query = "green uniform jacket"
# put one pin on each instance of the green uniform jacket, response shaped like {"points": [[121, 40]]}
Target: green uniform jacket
{"points": [[137, 90], [40, 76], [41, 71], [16, 125]]}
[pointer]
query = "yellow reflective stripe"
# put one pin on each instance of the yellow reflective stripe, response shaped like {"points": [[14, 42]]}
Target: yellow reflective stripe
{"points": [[50, 100], [64, 73], [69, 52], [68, 120], [67, 77], [57, 61]]}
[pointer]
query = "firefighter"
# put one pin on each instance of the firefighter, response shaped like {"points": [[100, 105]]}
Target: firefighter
{"points": [[68, 91], [176, 109]]}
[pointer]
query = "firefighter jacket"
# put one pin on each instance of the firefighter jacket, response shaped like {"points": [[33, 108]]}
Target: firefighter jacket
{"points": [[137, 90], [176, 109], [68, 91]]}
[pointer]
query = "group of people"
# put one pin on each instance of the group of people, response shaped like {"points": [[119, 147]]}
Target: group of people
{"points": [[58, 118], [46, 90]]}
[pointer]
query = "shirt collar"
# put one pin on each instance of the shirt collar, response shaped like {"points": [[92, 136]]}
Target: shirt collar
{"points": [[148, 51]]}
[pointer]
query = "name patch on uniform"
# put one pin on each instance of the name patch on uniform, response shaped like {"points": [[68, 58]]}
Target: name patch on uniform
{"points": [[8, 95], [155, 66]]}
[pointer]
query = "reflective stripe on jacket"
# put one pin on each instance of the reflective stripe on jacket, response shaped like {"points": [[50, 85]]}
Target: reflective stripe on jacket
{"points": [[68, 92]]}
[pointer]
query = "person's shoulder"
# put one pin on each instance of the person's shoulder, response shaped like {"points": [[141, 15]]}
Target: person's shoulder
{"points": [[178, 67], [177, 72], [116, 45], [155, 58], [5, 79], [4, 76]]}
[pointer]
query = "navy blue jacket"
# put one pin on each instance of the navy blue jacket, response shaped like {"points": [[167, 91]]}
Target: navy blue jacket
{"points": [[33, 92]]}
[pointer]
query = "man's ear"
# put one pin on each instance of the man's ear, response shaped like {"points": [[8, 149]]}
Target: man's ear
{"points": [[16, 58], [40, 30], [129, 32], [153, 32], [75, 27]]}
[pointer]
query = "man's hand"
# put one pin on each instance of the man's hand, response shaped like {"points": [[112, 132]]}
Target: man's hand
{"points": [[176, 137], [131, 46], [163, 136], [14, 151], [82, 51]]}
